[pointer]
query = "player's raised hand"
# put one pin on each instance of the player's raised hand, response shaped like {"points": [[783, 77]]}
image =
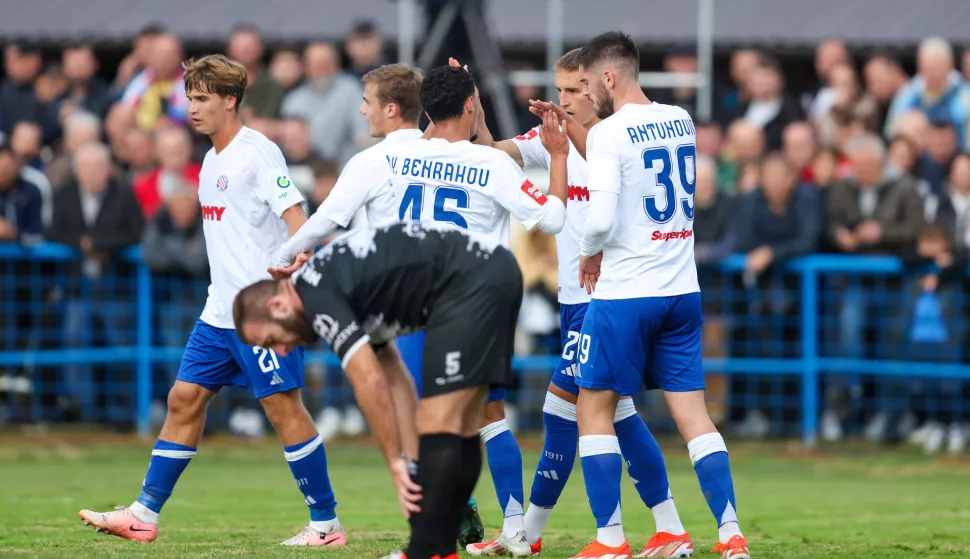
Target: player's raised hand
{"points": [[539, 108], [455, 64], [408, 492], [553, 134], [589, 271], [287, 271]]}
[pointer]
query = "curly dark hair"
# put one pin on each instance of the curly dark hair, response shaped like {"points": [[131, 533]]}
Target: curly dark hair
{"points": [[444, 91]]}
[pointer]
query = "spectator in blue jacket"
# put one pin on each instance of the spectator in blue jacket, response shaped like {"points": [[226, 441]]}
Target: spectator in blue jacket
{"points": [[21, 204], [938, 90], [778, 221]]}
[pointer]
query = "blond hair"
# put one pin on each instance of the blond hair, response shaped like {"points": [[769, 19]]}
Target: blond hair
{"points": [[216, 74], [570, 61], [399, 84]]}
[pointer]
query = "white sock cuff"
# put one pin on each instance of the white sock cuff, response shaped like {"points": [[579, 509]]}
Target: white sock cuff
{"points": [[554, 405], [493, 430], [592, 445], [176, 454], [624, 408], [705, 445], [303, 451]]}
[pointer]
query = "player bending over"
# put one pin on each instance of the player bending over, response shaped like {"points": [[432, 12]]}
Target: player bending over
{"points": [[392, 107], [643, 324], [638, 446], [368, 287], [448, 179], [249, 206]]}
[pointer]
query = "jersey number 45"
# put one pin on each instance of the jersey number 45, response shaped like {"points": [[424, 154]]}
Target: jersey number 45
{"points": [[665, 177], [413, 202]]}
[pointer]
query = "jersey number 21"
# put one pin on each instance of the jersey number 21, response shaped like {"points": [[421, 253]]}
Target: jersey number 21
{"points": [[413, 202]]}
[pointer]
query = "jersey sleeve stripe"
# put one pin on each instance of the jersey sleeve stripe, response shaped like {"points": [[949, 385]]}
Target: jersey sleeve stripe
{"points": [[354, 349]]}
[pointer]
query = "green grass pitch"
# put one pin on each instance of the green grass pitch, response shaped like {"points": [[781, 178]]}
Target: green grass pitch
{"points": [[238, 499]]}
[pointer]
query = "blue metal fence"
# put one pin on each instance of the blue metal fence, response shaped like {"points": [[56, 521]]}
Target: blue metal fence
{"points": [[103, 347]]}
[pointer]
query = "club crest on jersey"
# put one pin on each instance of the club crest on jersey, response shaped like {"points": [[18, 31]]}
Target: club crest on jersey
{"points": [[283, 182], [222, 183], [534, 192]]}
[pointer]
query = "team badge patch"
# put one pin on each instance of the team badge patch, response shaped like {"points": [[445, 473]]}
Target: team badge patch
{"points": [[283, 182], [222, 184]]}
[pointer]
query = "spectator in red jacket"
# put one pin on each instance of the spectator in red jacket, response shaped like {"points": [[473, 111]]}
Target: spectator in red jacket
{"points": [[173, 149]]}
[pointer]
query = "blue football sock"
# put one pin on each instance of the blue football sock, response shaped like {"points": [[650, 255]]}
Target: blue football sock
{"points": [[558, 452], [308, 462], [167, 464], [602, 470], [709, 456], [644, 460], [505, 464]]}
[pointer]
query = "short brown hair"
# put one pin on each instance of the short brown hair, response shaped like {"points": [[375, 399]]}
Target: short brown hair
{"points": [[399, 84], [216, 74], [250, 303], [571, 61]]}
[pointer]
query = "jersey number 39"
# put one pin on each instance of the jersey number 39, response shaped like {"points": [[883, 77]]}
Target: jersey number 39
{"points": [[685, 154], [413, 201]]}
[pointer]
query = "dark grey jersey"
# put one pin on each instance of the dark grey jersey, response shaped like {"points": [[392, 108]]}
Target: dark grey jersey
{"points": [[375, 284]]}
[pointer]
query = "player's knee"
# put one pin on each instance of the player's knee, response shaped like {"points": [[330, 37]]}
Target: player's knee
{"points": [[689, 412], [187, 400], [595, 410], [494, 411], [283, 407]]}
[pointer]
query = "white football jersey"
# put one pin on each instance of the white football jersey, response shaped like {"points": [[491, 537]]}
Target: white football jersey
{"points": [[534, 154], [646, 154], [364, 182], [474, 187], [243, 191]]}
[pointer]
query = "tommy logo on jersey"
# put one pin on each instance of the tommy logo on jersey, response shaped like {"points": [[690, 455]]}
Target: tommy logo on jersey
{"points": [[578, 193], [222, 183], [213, 213], [533, 192]]}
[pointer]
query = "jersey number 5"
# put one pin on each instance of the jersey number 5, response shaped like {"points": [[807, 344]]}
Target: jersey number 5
{"points": [[413, 200], [650, 158]]}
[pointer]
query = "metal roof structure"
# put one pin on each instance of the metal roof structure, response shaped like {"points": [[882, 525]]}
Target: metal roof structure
{"points": [[753, 22]]}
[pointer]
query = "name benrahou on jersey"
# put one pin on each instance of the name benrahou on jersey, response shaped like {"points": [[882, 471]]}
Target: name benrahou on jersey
{"points": [[436, 170], [469, 186]]}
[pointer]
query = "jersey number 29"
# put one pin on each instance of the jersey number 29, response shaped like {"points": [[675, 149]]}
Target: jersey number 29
{"points": [[413, 201], [684, 153]]}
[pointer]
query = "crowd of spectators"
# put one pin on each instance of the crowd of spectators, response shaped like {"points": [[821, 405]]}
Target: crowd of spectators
{"points": [[872, 161]]}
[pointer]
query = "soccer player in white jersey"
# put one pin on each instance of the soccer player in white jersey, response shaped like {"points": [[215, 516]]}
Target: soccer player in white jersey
{"points": [[249, 207], [392, 107], [644, 322], [639, 447], [448, 179]]}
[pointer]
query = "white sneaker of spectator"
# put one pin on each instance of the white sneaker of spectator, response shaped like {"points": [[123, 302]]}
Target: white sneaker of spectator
{"points": [[831, 426], [935, 435], [353, 424], [328, 423], [956, 440]]}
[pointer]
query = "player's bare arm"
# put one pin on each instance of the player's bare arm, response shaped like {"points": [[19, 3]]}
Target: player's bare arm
{"points": [[554, 139], [404, 395], [576, 133], [374, 399], [294, 217]]}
